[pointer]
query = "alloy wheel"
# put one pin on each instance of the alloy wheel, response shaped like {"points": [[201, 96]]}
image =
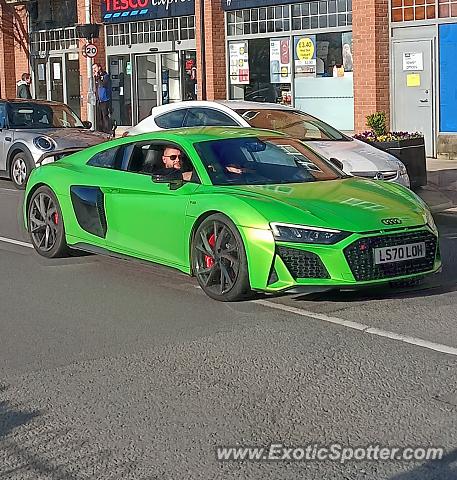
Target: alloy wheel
{"points": [[19, 171], [44, 222], [217, 257]]}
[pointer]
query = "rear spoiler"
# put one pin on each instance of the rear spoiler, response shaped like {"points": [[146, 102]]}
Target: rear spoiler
{"points": [[57, 154]]}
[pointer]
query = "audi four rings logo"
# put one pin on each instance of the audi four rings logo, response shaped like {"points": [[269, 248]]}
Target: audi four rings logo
{"points": [[391, 221]]}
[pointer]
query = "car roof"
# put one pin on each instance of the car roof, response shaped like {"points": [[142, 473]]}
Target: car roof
{"points": [[243, 105], [231, 104], [202, 134]]}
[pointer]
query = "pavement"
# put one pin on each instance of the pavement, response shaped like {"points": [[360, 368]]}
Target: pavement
{"points": [[441, 191], [111, 369]]}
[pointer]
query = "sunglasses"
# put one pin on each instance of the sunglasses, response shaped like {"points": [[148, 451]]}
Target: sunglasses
{"points": [[173, 157]]}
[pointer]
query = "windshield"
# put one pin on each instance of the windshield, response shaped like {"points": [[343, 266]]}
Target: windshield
{"points": [[265, 161], [35, 115], [293, 123]]}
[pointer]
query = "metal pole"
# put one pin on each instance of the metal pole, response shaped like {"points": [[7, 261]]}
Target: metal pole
{"points": [[91, 99], [202, 49]]}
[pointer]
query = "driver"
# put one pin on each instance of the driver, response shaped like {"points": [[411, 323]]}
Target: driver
{"points": [[172, 158]]}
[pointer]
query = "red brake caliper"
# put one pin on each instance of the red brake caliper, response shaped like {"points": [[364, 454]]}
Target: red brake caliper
{"points": [[55, 218], [209, 261]]}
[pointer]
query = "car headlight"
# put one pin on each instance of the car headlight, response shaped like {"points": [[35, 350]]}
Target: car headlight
{"points": [[430, 220], [44, 143], [286, 232], [401, 168]]}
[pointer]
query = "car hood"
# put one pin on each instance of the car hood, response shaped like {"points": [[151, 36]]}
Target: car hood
{"points": [[65, 137], [351, 204], [356, 156]]}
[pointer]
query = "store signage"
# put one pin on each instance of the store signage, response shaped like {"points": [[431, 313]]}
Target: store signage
{"points": [[137, 10], [239, 63], [305, 55], [239, 4], [280, 64]]}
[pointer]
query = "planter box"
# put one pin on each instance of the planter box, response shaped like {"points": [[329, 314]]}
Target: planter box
{"points": [[412, 153]]}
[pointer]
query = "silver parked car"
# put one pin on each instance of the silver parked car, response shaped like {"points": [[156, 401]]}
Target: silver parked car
{"points": [[31, 131]]}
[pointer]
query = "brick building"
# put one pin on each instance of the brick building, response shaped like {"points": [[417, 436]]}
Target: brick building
{"points": [[338, 59]]}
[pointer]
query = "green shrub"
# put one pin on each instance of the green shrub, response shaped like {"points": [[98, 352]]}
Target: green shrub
{"points": [[377, 123]]}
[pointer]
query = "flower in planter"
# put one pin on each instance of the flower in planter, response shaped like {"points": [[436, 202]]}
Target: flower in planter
{"points": [[379, 133]]}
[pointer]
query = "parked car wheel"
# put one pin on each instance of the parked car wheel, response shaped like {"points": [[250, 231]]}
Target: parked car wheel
{"points": [[45, 223], [219, 260], [20, 170]]}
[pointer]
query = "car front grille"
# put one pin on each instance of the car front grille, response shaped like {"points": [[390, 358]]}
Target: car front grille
{"points": [[360, 256], [387, 175], [302, 264]]}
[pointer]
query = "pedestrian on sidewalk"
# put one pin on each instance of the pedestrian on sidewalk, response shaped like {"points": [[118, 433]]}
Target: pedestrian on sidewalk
{"points": [[23, 87], [103, 93]]}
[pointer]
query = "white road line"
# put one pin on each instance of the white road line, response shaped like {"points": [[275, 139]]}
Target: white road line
{"points": [[8, 190], [16, 242], [437, 347]]}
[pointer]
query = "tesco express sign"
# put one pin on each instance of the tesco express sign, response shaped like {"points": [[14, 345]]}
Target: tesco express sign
{"points": [[136, 10]]}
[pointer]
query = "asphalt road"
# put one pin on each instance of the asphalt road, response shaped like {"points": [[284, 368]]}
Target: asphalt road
{"points": [[111, 369]]}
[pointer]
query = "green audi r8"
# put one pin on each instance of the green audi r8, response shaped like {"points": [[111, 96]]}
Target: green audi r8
{"points": [[241, 209]]}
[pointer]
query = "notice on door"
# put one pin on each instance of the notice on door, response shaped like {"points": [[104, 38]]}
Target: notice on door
{"points": [[413, 80], [413, 62]]}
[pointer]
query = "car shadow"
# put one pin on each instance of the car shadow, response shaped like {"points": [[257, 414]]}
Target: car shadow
{"points": [[443, 469]]}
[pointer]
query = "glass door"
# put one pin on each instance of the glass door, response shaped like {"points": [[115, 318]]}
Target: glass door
{"points": [[73, 91], [41, 80], [171, 84], [56, 76], [146, 85], [120, 70]]}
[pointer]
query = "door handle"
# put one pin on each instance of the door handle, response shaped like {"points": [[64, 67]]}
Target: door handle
{"points": [[424, 100], [112, 190]]}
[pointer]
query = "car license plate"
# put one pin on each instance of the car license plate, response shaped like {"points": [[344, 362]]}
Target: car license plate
{"points": [[399, 253]]}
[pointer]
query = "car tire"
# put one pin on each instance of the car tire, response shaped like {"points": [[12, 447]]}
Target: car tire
{"points": [[219, 260], [20, 170], [45, 224]]}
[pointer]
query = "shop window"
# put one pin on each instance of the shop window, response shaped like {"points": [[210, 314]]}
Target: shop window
{"points": [[323, 85], [260, 70]]}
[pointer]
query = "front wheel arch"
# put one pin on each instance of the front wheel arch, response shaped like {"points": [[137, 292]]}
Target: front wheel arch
{"points": [[195, 226]]}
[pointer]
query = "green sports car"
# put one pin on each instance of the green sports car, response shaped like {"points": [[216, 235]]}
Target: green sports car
{"points": [[241, 209]]}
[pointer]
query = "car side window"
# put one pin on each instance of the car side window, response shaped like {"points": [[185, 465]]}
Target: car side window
{"points": [[2, 115], [205, 117], [173, 119], [148, 159], [110, 158]]}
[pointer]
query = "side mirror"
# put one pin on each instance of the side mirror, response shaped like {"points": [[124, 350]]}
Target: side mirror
{"points": [[174, 179], [337, 163], [87, 124]]}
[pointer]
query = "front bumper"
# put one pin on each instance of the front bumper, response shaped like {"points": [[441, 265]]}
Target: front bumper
{"points": [[349, 263]]}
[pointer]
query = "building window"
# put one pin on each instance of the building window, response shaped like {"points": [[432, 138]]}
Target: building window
{"points": [[51, 40], [258, 20], [151, 31], [410, 10], [321, 14]]}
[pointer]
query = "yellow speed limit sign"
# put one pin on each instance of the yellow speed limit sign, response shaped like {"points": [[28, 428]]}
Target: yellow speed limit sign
{"points": [[305, 49]]}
